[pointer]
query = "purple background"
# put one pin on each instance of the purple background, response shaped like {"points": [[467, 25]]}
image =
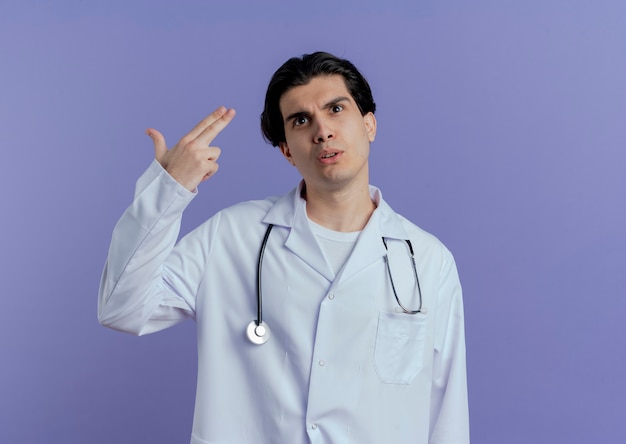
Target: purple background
{"points": [[502, 130]]}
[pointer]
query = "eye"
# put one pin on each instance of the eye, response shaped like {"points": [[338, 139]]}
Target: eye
{"points": [[300, 120], [337, 108]]}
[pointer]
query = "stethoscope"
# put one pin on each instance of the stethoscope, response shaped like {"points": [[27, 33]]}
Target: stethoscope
{"points": [[259, 332]]}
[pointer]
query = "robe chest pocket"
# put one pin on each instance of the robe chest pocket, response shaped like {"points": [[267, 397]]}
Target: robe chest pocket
{"points": [[399, 350]]}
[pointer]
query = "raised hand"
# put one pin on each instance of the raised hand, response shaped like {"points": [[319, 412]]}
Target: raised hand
{"points": [[193, 160]]}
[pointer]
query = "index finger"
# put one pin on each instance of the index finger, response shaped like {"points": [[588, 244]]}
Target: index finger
{"points": [[206, 122], [211, 131]]}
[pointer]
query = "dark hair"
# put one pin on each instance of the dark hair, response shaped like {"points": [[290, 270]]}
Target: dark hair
{"points": [[299, 71]]}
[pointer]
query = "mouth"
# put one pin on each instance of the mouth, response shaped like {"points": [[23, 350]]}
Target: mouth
{"points": [[329, 156]]}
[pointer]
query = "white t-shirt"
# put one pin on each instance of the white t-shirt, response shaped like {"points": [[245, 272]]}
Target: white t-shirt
{"points": [[336, 245]]}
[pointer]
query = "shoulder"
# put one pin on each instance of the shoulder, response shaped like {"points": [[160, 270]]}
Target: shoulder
{"points": [[251, 209], [416, 232], [244, 217], [237, 223], [395, 225], [423, 241]]}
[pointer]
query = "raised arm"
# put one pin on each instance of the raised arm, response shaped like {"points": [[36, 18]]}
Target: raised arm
{"points": [[146, 284]]}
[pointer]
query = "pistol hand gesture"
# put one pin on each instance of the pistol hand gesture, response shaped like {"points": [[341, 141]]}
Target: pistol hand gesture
{"points": [[193, 160]]}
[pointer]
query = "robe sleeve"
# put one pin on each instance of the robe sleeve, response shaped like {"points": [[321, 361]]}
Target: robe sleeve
{"points": [[449, 423], [149, 282]]}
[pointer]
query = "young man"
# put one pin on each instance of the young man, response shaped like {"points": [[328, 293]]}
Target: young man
{"points": [[315, 324]]}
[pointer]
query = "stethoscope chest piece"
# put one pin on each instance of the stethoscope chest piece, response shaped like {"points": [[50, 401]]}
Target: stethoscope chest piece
{"points": [[258, 334]]}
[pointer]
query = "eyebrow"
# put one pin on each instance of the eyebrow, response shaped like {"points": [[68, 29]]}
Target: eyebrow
{"points": [[327, 105]]}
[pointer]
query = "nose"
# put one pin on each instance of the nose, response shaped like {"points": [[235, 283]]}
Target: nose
{"points": [[322, 131]]}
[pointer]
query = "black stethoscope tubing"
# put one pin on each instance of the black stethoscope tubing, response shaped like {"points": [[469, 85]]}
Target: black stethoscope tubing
{"points": [[417, 280], [259, 332], [259, 269]]}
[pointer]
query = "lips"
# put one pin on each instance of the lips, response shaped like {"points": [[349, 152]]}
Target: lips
{"points": [[327, 156]]}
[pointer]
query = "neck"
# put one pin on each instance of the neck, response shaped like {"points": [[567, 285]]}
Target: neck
{"points": [[343, 210]]}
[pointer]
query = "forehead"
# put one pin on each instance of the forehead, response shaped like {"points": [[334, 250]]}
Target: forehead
{"points": [[319, 91]]}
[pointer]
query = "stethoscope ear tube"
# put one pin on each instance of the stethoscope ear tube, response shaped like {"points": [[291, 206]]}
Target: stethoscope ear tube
{"points": [[420, 309]]}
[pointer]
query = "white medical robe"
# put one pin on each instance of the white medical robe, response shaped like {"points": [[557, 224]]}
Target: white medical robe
{"points": [[342, 364]]}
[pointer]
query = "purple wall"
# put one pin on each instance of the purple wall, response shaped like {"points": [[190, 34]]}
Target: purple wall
{"points": [[501, 130]]}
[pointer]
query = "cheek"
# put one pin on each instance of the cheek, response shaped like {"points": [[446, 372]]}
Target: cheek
{"points": [[366, 134], [288, 153]]}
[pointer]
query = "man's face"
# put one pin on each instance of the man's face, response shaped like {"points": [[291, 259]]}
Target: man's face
{"points": [[327, 138]]}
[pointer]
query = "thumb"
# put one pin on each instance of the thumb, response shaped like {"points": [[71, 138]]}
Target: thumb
{"points": [[160, 148]]}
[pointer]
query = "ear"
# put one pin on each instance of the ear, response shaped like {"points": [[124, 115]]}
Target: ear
{"points": [[284, 148], [370, 126]]}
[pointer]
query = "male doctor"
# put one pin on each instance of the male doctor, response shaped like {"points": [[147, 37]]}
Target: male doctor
{"points": [[345, 327]]}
